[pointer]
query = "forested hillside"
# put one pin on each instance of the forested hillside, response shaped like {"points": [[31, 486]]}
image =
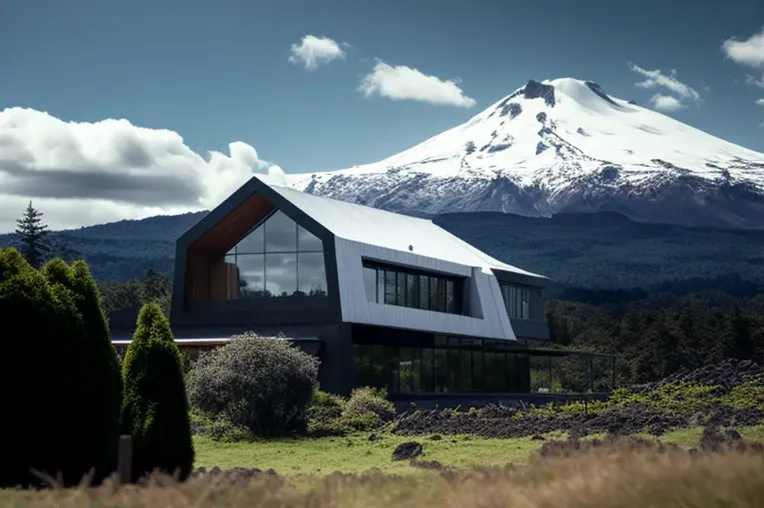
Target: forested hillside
{"points": [[602, 251]]}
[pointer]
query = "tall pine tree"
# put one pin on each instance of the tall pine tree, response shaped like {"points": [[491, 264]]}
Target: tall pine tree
{"points": [[31, 232]]}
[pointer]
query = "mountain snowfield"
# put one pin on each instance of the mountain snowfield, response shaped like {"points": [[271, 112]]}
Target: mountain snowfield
{"points": [[559, 146]]}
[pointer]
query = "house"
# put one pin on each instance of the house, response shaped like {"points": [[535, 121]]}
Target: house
{"points": [[383, 299]]}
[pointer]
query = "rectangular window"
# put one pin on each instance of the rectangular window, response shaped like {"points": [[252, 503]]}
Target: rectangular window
{"points": [[380, 286], [441, 369], [405, 373], [454, 370], [428, 381], [389, 287], [465, 380], [400, 293], [370, 283], [450, 297], [517, 300], [412, 291], [424, 292], [478, 373], [416, 370]]}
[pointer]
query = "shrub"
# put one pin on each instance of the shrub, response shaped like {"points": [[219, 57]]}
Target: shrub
{"points": [[155, 410], [263, 384], [220, 428], [58, 382], [367, 408], [325, 415]]}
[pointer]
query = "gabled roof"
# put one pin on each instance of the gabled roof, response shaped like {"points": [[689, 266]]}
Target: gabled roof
{"points": [[363, 224], [390, 230]]}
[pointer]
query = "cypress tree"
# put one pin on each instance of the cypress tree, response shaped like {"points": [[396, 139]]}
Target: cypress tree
{"points": [[37, 385], [31, 232], [96, 400], [155, 407]]}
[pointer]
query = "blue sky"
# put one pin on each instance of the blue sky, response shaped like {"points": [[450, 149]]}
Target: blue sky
{"points": [[217, 72]]}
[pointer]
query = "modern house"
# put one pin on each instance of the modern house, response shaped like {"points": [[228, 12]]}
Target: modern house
{"points": [[383, 299]]}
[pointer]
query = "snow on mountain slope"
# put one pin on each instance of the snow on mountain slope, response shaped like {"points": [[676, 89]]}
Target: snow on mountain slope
{"points": [[561, 146]]}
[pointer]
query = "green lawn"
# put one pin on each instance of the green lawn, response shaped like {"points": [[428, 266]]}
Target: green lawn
{"points": [[356, 453], [320, 456]]}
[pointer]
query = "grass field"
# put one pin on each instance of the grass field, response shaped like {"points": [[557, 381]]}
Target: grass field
{"points": [[353, 454], [603, 478]]}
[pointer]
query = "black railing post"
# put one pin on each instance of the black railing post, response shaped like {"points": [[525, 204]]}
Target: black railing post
{"points": [[125, 459]]}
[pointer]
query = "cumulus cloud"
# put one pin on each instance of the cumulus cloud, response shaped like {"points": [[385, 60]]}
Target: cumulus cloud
{"points": [[666, 102], [81, 173], [760, 102], [399, 82], [313, 51], [748, 52]]}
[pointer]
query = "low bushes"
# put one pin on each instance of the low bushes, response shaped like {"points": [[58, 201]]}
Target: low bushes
{"points": [[256, 387], [366, 409], [261, 384]]}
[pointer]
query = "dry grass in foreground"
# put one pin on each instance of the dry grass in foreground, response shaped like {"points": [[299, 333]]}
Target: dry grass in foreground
{"points": [[602, 478]]}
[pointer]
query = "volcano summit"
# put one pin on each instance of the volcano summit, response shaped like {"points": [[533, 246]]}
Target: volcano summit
{"points": [[563, 146]]}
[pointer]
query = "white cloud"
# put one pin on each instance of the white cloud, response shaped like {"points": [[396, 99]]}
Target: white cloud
{"points": [[749, 52], [670, 81], [400, 83], [313, 51], [666, 102], [752, 80], [80, 173]]}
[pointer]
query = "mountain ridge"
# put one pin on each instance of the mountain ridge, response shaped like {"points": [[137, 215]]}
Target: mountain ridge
{"points": [[562, 146]]}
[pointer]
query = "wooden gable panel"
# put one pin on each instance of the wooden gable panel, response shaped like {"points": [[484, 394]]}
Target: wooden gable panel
{"points": [[220, 238]]}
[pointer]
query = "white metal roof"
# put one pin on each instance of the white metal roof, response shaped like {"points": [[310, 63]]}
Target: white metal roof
{"points": [[390, 230]]}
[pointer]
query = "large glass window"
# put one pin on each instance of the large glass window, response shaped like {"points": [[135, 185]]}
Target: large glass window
{"points": [[446, 365], [517, 300], [408, 361], [278, 258], [408, 288]]}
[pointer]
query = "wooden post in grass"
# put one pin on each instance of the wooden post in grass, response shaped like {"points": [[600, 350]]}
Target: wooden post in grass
{"points": [[125, 459]]}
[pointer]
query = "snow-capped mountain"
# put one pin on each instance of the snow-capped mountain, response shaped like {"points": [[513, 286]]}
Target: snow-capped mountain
{"points": [[563, 146]]}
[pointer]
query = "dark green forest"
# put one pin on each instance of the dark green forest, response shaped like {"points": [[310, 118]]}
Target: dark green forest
{"points": [[659, 297], [592, 251]]}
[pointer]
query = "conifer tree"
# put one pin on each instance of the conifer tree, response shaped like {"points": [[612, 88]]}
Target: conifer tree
{"points": [[155, 407], [31, 232]]}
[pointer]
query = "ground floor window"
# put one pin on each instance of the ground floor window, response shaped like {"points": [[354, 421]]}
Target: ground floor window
{"points": [[446, 365], [410, 362]]}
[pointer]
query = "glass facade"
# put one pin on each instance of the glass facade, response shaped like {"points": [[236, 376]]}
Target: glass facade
{"points": [[394, 285], [278, 258], [415, 362], [517, 300]]}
